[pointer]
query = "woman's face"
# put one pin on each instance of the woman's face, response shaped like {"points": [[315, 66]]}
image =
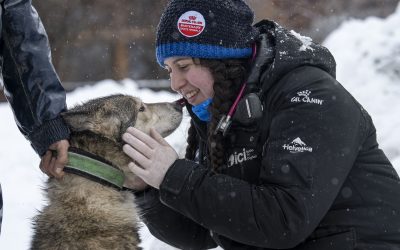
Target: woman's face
{"points": [[193, 81]]}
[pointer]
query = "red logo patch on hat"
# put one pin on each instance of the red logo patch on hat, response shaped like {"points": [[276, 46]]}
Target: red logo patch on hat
{"points": [[191, 23]]}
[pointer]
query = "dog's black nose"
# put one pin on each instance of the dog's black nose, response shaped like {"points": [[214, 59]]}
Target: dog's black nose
{"points": [[179, 104]]}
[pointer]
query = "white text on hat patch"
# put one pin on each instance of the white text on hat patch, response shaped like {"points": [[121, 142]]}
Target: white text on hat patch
{"points": [[191, 23]]}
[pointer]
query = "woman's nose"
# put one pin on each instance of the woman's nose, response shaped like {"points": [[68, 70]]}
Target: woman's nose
{"points": [[177, 81]]}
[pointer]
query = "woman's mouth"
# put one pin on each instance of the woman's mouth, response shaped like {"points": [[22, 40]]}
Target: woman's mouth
{"points": [[191, 94]]}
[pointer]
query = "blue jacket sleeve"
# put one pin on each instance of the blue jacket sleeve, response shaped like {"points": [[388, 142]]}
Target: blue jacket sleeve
{"points": [[31, 84]]}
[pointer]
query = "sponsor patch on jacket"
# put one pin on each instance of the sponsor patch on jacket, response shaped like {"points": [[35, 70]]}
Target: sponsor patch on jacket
{"points": [[297, 146], [244, 155], [304, 96]]}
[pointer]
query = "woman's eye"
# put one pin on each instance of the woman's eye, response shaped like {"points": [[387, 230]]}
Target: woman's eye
{"points": [[141, 109], [183, 66]]}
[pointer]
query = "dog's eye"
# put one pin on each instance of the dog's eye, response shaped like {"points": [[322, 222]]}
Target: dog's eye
{"points": [[141, 109]]}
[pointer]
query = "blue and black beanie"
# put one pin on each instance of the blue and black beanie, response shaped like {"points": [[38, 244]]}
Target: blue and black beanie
{"points": [[213, 29]]}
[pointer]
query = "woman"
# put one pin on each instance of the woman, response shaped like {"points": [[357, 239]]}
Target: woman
{"points": [[304, 172]]}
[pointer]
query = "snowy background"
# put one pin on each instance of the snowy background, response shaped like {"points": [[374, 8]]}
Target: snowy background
{"points": [[368, 57]]}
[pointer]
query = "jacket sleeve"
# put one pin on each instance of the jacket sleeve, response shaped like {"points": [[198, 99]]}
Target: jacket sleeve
{"points": [[31, 84], [310, 151], [1, 208], [170, 226]]}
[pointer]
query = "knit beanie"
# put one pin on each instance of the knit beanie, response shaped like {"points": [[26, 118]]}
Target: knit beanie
{"points": [[213, 29]]}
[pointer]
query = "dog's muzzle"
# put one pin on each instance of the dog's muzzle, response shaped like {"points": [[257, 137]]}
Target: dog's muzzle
{"points": [[181, 102]]}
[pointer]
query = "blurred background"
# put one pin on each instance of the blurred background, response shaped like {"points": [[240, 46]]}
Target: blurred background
{"points": [[93, 40]]}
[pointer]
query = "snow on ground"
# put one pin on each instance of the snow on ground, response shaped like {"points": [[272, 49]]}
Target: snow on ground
{"points": [[367, 53], [368, 57]]}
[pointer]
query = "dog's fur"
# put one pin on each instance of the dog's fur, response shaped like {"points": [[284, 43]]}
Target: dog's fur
{"points": [[83, 214]]}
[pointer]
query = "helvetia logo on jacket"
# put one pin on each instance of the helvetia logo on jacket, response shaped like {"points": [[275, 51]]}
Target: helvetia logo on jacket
{"points": [[241, 156], [297, 146], [304, 96]]}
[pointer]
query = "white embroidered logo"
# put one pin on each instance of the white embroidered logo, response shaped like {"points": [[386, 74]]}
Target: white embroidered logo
{"points": [[304, 96], [297, 146], [241, 156]]}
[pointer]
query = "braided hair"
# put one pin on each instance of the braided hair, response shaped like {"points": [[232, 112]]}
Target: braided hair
{"points": [[228, 77]]}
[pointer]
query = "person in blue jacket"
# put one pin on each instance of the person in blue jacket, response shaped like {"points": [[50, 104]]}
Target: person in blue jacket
{"points": [[31, 85], [279, 155]]}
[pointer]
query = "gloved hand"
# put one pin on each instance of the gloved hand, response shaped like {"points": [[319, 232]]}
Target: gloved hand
{"points": [[53, 164], [152, 156]]}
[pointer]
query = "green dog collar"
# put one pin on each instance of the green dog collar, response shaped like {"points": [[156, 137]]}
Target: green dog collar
{"points": [[94, 169]]}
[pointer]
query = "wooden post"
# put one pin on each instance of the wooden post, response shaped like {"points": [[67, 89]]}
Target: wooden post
{"points": [[120, 59], [2, 97]]}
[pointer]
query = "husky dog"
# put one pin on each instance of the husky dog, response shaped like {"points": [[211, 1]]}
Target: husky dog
{"points": [[84, 213]]}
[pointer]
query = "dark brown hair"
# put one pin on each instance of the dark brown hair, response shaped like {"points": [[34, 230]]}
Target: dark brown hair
{"points": [[228, 77]]}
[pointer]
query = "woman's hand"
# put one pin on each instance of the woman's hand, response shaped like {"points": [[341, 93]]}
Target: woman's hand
{"points": [[152, 155]]}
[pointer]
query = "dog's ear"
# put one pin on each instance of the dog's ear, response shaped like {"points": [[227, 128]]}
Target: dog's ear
{"points": [[108, 117], [106, 125], [79, 120]]}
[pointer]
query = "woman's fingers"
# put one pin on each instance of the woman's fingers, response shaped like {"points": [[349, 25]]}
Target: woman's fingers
{"points": [[137, 144], [137, 170], [135, 155], [158, 137], [142, 137]]}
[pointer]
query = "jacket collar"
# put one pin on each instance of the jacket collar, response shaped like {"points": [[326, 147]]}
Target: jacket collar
{"points": [[281, 51], [201, 127]]}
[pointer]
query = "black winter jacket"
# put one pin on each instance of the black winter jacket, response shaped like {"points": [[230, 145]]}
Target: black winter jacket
{"points": [[309, 175], [31, 84]]}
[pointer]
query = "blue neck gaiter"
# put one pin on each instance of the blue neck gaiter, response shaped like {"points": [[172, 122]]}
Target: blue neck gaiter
{"points": [[201, 110]]}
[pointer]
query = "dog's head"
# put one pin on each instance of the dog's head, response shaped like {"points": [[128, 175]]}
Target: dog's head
{"points": [[97, 126], [110, 116]]}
